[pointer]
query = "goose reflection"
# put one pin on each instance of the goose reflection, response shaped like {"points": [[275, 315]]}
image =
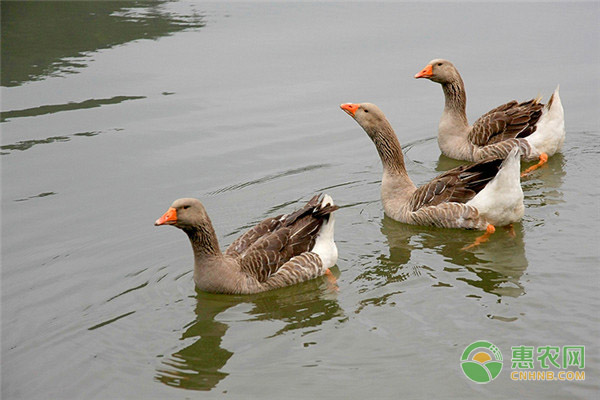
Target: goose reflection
{"points": [[494, 267], [543, 188], [200, 365], [303, 307], [445, 163]]}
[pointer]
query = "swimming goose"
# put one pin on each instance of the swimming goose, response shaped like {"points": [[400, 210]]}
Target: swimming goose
{"points": [[476, 196], [279, 251], [537, 129]]}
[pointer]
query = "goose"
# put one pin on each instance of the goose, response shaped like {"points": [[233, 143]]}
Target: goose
{"points": [[537, 129], [478, 196], [278, 252]]}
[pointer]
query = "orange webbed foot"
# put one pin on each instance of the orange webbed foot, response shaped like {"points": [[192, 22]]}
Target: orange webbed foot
{"points": [[543, 160], [331, 280], [483, 238]]}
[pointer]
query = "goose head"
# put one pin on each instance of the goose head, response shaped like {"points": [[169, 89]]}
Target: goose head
{"points": [[184, 213], [368, 116], [440, 71]]}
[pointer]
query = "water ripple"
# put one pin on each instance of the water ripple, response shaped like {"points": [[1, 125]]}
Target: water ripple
{"points": [[110, 321], [268, 178], [44, 194]]}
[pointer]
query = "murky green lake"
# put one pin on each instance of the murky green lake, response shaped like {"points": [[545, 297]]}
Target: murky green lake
{"points": [[111, 110]]}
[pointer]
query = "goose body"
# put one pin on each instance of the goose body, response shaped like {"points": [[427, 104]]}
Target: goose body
{"points": [[537, 129], [470, 196], [278, 252]]}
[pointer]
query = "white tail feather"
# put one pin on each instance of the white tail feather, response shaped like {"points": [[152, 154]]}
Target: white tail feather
{"points": [[501, 201], [549, 135], [325, 246]]}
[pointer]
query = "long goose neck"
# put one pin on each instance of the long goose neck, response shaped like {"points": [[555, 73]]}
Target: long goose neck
{"points": [[204, 242], [390, 152], [456, 99]]}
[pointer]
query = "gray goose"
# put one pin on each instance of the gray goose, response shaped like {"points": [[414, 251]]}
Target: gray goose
{"points": [[279, 251], [476, 196], [537, 129]]}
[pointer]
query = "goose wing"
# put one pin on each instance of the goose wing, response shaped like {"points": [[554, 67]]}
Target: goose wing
{"points": [[244, 242], [458, 185], [273, 242], [508, 121]]}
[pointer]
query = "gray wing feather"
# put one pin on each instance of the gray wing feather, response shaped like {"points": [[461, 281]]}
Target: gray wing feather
{"points": [[241, 244], [508, 121], [457, 185], [266, 248]]}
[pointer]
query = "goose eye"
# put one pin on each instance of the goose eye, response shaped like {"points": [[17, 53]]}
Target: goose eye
{"points": [[186, 207], [439, 64], [366, 110]]}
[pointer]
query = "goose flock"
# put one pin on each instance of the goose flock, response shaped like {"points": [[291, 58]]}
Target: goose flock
{"points": [[288, 249]]}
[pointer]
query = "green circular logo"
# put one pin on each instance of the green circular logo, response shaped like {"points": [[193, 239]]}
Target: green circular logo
{"points": [[481, 361]]}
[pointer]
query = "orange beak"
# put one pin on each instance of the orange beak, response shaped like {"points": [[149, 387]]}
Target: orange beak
{"points": [[349, 108], [169, 218], [427, 72]]}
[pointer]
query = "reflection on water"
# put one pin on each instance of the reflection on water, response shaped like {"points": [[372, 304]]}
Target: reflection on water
{"points": [[51, 38], [304, 306], [499, 264], [495, 266], [96, 303], [54, 108], [543, 186], [27, 144], [445, 163], [199, 366]]}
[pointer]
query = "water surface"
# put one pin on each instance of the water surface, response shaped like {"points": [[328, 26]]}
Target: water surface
{"points": [[237, 104]]}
